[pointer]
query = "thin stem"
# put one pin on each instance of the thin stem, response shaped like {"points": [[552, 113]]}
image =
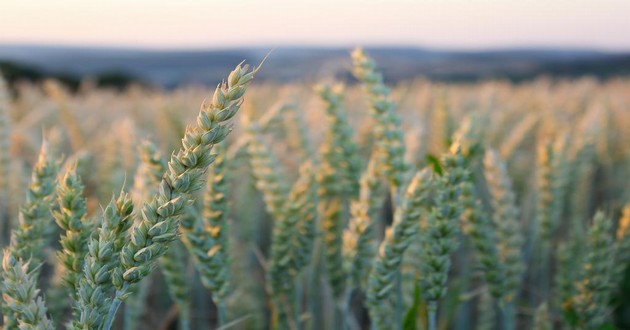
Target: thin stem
{"points": [[113, 308], [398, 312], [432, 313], [347, 311], [298, 305], [508, 316], [222, 314]]}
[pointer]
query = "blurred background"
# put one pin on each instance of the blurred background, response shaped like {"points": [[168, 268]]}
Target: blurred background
{"points": [[169, 43]]}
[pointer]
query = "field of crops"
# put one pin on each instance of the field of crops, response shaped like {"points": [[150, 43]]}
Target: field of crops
{"points": [[423, 205]]}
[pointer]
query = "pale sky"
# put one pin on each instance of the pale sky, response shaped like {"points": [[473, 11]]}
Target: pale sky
{"points": [[468, 24]]}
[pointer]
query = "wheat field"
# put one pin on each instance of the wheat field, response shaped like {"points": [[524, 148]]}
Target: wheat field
{"points": [[337, 205]]}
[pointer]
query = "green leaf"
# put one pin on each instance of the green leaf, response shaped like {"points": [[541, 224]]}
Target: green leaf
{"points": [[435, 163], [409, 323]]}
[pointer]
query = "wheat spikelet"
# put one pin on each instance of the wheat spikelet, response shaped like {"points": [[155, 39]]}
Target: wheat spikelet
{"points": [[20, 295], [173, 262], [591, 300], [439, 237], [387, 263], [358, 238], [76, 230], [387, 132], [35, 222], [159, 225], [292, 241], [207, 235], [569, 256], [95, 286], [265, 171], [215, 214], [477, 225], [622, 248], [510, 241], [341, 166]]}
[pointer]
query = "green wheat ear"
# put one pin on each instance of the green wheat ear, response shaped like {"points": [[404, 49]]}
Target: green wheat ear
{"points": [[591, 299], [387, 263], [21, 296], [159, 226], [76, 228]]}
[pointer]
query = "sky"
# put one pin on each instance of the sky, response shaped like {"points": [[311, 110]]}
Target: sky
{"points": [[450, 24]]}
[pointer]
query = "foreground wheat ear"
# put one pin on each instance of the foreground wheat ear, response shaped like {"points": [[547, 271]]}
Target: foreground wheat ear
{"points": [[150, 237]]}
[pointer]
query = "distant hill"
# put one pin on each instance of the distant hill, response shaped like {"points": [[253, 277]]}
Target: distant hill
{"points": [[172, 68]]}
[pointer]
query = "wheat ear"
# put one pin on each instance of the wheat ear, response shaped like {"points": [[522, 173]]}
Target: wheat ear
{"points": [[292, 242], [35, 219], [95, 286], [76, 230], [20, 294], [159, 226], [386, 267], [387, 131], [591, 300], [439, 237]]}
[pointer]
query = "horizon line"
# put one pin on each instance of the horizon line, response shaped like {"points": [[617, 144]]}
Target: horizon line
{"points": [[314, 46]]}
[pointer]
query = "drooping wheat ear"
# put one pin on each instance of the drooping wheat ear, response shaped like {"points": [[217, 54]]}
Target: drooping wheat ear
{"points": [[268, 179], [292, 242], [382, 279], [21, 296], [174, 266], [439, 237], [591, 300], [358, 238], [36, 223], [95, 286], [159, 225], [622, 249], [5, 160], [505, 219], [387, 132], [477, 225], [542, 321], [76, 230]]}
